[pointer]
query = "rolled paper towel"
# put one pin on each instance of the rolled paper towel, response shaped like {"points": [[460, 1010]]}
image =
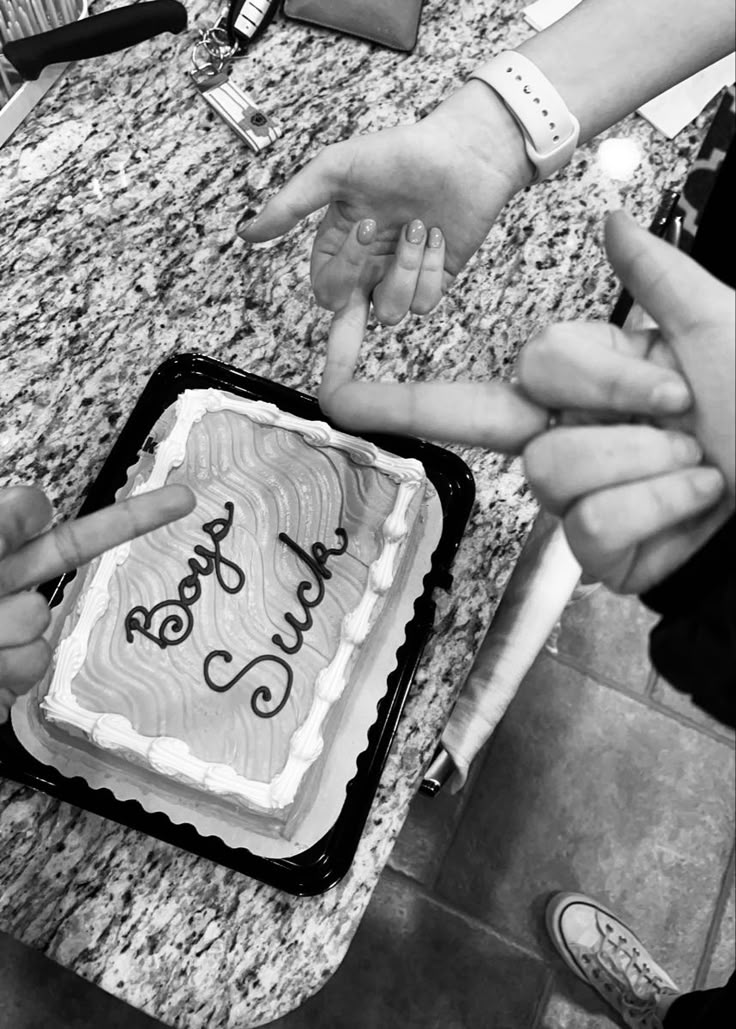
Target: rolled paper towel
{"points": [[536, 594]]}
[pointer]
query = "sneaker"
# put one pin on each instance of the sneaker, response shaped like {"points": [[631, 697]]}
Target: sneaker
{"points": [[602, 951]]}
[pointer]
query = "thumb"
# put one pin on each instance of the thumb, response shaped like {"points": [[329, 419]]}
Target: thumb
{"points": [[314, 186], [669, 285]]}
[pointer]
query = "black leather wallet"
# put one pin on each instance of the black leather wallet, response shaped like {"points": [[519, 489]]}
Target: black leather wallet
{"points": [[391, 23]]}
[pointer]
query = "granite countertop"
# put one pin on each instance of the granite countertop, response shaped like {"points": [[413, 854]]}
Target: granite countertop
{"points": [[118, 200]]}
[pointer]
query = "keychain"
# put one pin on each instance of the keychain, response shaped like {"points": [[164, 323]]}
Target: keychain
{"points": [[213, 56]]}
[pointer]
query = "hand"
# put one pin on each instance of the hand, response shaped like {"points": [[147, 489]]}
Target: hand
{"points": [[630, 515], [607, 375], [599, 374], [453, 172], [29, 556]]}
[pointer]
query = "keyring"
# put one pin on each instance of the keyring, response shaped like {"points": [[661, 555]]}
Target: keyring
{"points": [[212, 58]]}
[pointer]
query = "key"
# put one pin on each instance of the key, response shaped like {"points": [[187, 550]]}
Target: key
{"points": [[213, 57], [247, 19]]}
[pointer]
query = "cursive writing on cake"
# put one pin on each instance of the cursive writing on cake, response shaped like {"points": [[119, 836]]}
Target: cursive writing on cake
{"points": [[177, 626], [316, 562], [178, 623]]}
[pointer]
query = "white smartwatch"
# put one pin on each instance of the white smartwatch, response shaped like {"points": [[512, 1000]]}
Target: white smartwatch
{"points": [[550, 131]]}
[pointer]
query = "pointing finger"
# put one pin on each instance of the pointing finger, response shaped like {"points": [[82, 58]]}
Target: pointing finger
{"points": [[491, 414], [74, 543], [311, 188], [343, 347]]}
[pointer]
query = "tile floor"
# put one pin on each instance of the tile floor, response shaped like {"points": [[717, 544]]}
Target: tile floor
{"points": [[600, 779]]}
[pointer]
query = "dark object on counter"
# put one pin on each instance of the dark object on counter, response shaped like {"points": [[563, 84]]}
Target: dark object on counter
{"points": [[91, 37], [391, 23], [245, 20], [226, 41], [323, 865]]}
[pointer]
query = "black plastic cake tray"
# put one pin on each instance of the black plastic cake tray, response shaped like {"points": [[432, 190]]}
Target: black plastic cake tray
{"points": [[322, 866]]}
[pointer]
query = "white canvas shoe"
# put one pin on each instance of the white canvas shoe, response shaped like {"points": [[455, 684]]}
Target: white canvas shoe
{"points": [[602, 951]]}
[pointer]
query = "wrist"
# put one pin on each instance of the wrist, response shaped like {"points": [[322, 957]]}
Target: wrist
{"points": [[482, 123], [549, 128]]}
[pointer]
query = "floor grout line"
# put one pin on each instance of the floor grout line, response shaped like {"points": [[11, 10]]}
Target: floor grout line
{"points": [[544, 998], [470, 920], [569, 662], [488, 747], [645, 700], [715, 924], [428, 890]]}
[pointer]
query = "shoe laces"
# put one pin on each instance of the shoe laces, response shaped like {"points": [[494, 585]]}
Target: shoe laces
{"points": [[620, 972]]}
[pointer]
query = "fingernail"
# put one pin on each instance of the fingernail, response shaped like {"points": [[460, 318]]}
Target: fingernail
{"points": [[685, 448], [435, 239], [671, 397], [415, 232], [621, 212], [366, 231], [707, 482], [247, 219]]}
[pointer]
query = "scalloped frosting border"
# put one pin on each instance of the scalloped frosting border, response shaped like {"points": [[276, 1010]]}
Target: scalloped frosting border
{"points": [[172, 757]]}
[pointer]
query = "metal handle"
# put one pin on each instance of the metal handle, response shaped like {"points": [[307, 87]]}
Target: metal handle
{"points": [[438, 773]]}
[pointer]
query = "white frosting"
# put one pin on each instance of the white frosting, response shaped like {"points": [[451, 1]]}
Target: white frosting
{"points": [[172, 757]]}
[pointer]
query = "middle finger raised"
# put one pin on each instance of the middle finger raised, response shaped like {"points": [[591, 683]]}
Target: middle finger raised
{"points": [[345, 339]]}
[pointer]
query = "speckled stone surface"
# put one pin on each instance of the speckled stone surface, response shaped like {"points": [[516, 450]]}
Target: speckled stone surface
{"points": [[118, 203]]}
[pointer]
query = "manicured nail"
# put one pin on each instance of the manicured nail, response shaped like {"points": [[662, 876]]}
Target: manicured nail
{"points": [[671, 397], [366, 231], [707, 482], [686, 449], [435, 239], [415, 232]]}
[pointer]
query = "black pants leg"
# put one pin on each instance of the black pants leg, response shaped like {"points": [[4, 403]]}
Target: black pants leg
{"points": [[704, 1009]]}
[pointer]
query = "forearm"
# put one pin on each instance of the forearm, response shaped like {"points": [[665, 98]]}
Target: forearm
{"points": [[605, 58], [608, 57]]}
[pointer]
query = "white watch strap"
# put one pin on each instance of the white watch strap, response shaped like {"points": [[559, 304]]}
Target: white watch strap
{"points": [[550, 131]]}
